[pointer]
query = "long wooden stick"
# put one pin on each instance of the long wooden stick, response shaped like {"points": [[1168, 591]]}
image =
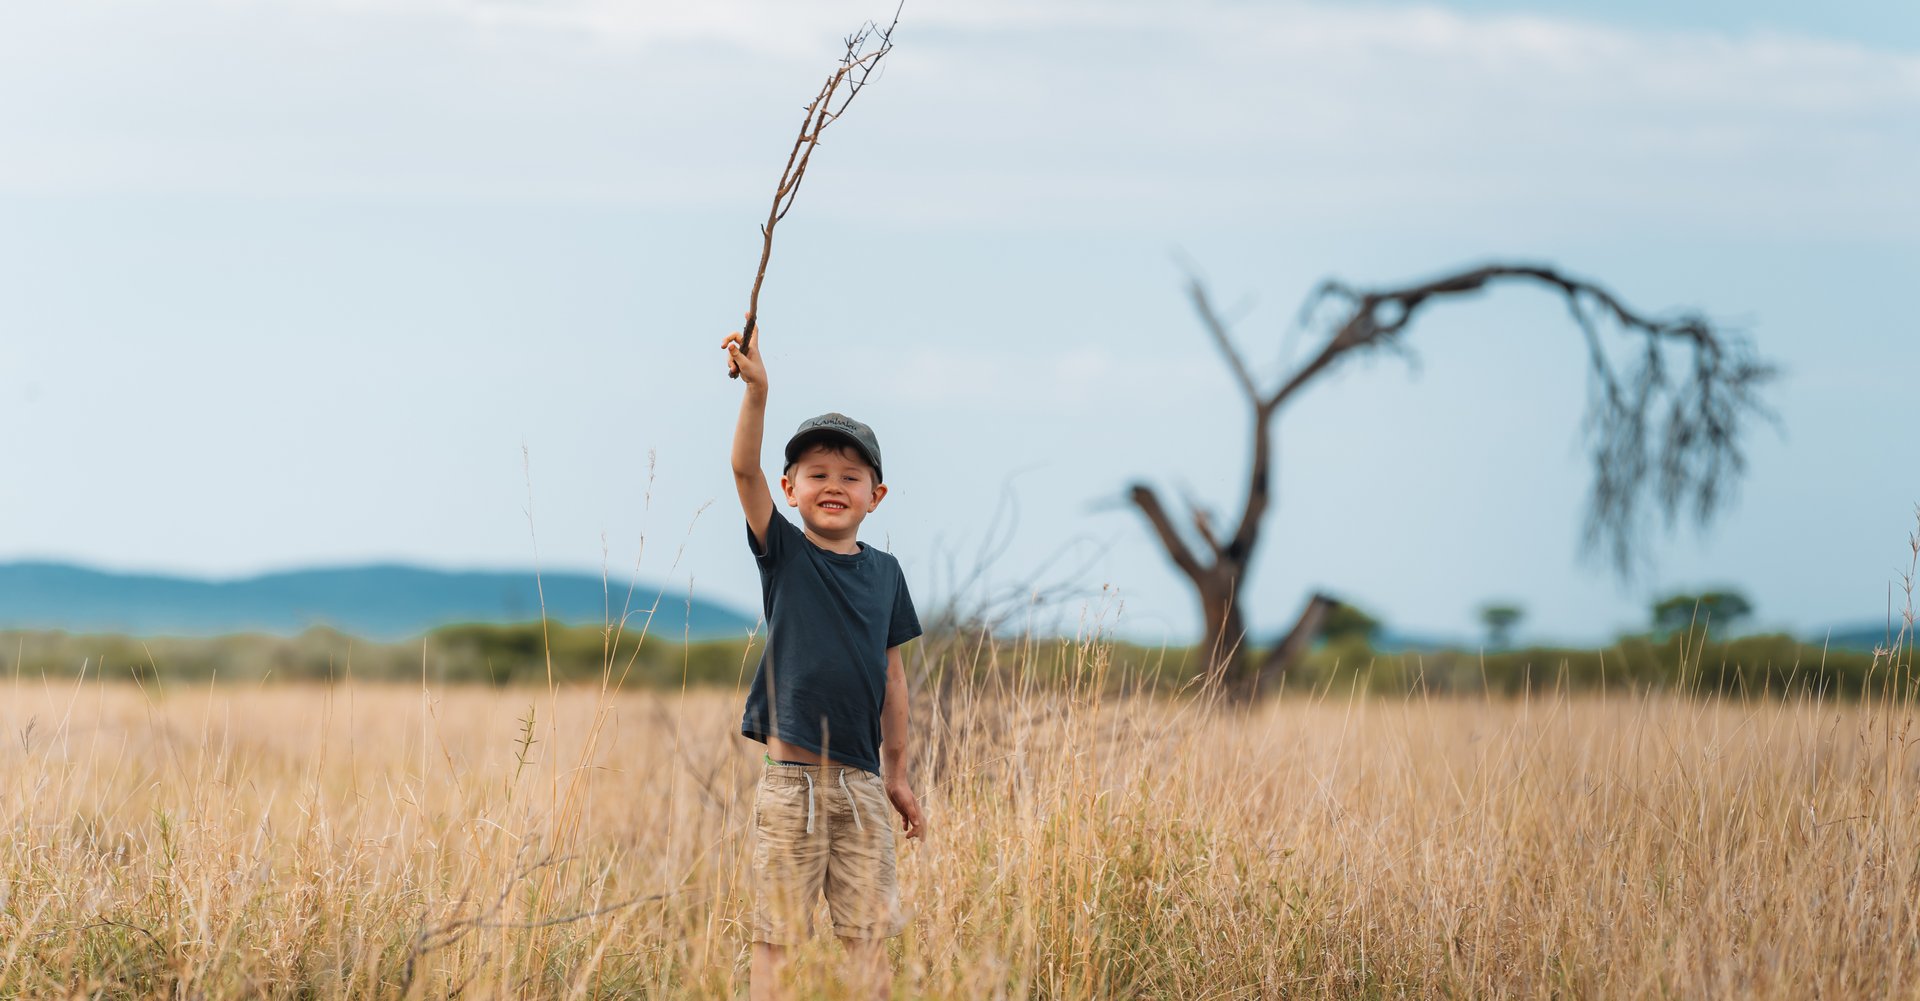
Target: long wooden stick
{"points": [[865, 49]]}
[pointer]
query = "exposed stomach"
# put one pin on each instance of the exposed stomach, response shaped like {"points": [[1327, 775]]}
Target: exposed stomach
{"points": [[780, 750]]}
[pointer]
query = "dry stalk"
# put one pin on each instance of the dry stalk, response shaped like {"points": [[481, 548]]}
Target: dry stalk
{"points": [[433, 938]]}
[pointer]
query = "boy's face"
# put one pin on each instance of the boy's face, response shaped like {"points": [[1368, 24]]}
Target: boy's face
{"points": [[833, 488]]}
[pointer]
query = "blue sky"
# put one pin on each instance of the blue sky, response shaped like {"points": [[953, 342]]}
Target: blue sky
{"points": [[295, 283]]}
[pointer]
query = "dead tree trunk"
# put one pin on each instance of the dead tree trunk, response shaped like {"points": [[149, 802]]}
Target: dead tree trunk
{"points": [[1650, 433]]}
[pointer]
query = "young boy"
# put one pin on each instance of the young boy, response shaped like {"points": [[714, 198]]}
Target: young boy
{"points": [[829, 698]]}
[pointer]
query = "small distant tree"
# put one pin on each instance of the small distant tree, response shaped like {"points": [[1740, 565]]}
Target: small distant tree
{"points": [[1500, 620], [1703, 611], [1345, 622]]}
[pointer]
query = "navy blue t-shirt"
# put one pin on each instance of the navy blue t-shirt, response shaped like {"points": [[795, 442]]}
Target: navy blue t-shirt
{"points": [[830, 619]]}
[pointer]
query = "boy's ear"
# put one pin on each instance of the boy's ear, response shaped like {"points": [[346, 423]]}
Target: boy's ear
{"points": [[786, 487], [879, 493]]}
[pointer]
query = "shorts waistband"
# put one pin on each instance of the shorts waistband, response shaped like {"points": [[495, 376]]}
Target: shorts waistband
{"points": [[798, 773]]}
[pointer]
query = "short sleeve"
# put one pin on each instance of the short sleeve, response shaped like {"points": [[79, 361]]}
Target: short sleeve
{"points": [[906, 623], [780, 533]]}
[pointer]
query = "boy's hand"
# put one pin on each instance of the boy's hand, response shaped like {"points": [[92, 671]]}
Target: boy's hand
{"points": [[908, 807], [746, 364]]}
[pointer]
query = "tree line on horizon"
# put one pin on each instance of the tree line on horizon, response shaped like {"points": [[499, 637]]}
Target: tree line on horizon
{"points": [[1705, 610], [1689, 645]]}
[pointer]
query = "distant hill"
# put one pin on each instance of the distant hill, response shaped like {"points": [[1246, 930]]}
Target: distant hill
{"points": [[377, 602], [1865, 637]]}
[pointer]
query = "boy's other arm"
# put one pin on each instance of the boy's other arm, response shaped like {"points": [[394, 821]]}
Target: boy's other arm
{"points": [[893, 747], [749, 480]]}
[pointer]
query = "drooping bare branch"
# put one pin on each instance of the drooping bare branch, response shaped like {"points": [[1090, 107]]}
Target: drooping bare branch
{"points": [[1674, 441], [865, 49]]}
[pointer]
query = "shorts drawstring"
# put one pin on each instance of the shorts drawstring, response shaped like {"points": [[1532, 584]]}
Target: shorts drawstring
{"points": [[809, 776], [851, 805]]}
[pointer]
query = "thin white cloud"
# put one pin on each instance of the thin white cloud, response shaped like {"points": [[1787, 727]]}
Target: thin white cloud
{"points": [[994, 113]]}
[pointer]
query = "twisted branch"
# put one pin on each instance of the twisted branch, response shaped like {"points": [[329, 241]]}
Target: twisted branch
{"points": [[864, 50], [1653, 437]]}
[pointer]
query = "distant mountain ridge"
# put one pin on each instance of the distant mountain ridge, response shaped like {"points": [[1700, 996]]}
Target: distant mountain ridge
{"points": [[1864, 638], [376, 601]]}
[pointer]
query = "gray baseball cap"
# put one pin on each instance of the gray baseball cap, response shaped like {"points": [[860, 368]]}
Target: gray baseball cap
{"points": [[841, 429]]}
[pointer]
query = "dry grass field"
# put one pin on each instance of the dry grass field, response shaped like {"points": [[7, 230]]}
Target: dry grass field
{"points": [[359, 841]]}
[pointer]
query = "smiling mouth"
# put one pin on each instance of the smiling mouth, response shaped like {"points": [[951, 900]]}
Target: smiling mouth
{"points": [[832, 506]]}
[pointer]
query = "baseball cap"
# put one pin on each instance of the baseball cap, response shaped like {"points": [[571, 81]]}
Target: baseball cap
{"points": [[840, 429]]}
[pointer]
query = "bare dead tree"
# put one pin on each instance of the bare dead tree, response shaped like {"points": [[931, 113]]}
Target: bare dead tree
{"points": [[1657, 435], [864, 50]]}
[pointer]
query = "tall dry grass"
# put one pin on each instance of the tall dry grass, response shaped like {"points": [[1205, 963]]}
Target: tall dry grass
{"points": [[381, 841]]}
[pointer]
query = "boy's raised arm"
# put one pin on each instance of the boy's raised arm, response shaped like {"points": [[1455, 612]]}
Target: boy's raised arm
{"points": [[756, 498]]}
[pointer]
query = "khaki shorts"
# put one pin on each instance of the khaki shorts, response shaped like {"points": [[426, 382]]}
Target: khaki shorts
{"points": [[823, 830]]}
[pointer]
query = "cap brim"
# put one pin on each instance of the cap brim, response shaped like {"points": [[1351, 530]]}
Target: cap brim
{"points": [[812, 435]]}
